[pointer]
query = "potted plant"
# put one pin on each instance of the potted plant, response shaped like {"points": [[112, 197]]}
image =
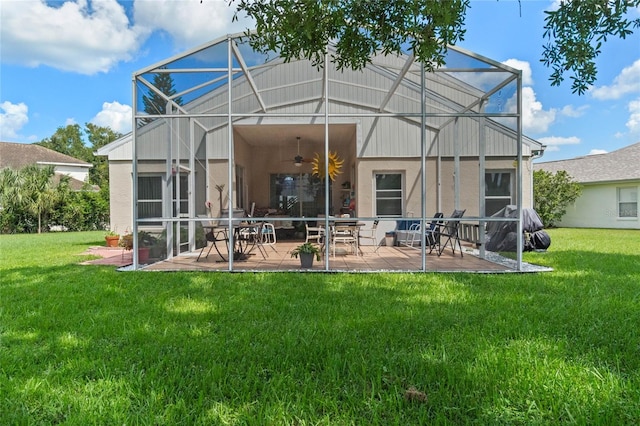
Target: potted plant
{"points": [[112, 238], [145, 240], [306, 251]]}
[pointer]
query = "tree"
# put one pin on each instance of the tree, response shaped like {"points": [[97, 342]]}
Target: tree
{"points": [[27, 197], [39, 194], [552, 194], [360, 28], [577, 30], [302, 29], [99, 136], [68, 140], [11, 219], [155, 103]]}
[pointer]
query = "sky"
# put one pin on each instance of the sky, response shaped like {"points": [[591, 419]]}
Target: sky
{"points": [[71, 62]]}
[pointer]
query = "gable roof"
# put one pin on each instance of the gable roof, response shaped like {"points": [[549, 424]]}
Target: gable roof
{"points": [[19, 155], [619, 165]]}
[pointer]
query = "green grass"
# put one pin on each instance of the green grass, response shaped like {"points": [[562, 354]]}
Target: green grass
{"points": [[84, 345]]}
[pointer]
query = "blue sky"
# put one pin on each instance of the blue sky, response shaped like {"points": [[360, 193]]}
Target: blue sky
{"points": [[71, 62]]}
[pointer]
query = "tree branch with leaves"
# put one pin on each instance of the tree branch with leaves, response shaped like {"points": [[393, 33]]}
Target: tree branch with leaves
{"points": [[302, 29]]}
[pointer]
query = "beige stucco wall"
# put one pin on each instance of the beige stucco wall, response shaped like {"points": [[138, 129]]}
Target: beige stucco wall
{"points": [[260, 162], [120, 192], [469, 191], [597, 207]]}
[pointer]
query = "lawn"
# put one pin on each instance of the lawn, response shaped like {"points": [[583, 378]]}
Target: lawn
{"points": [[87, 345]]}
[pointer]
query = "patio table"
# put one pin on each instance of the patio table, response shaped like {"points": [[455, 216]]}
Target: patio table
{"points": [[243, 242]]}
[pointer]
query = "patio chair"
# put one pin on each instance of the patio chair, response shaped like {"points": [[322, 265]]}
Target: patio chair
{"points": [[314, 233], [432, 234], [344, 234], [269, 235], [259, 238], [450, 233], [369, 234], [212, 235], [414, 234]]}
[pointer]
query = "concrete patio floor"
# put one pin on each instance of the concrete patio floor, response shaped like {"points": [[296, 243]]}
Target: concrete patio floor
{"points": [[392, 259]]}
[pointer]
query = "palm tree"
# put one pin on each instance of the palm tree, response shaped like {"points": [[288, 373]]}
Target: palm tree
{"points": [[39, 194]]}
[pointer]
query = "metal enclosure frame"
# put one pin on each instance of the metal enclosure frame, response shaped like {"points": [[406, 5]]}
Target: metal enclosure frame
{"points": [[462, 110]]}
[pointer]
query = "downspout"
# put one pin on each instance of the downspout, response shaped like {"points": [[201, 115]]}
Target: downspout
{"points": [[534, 156]]}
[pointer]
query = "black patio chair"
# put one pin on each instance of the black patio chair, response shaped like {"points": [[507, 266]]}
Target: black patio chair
{"points": [[449, 232]]}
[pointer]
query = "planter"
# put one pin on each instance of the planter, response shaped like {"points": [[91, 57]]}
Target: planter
{"points": [[112, 240], [388, 239], [143, 254], [306, 260]]}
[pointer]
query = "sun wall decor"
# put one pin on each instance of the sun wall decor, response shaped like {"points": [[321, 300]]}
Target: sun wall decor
{"points": [[335, 165]]}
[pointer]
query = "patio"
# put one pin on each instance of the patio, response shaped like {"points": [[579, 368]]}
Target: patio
{"points": [[387, 259], [392, 142]]}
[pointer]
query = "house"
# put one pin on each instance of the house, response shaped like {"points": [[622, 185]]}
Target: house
{"points": [[610, 184], [18, 155], [251, 131]]}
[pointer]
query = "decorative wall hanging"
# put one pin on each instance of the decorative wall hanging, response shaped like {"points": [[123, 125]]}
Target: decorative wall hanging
{"points": [[335, 166]]}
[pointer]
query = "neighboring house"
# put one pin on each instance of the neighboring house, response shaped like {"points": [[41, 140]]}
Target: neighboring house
{"points": [[18, 155], [610, 184], [412, 142]]}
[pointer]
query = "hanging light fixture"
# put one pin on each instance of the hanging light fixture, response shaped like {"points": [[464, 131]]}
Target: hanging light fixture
{"points": [[298, 159]]}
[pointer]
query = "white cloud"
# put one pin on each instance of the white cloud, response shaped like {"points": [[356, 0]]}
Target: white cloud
{"points": [[570, 111], [596, 151], [70, 121], [553, 143], [13, 117], [114, 115], [489, 80], [189, 23], [628, 81], [525, 67], [634, 119], [534, 118], [83, 36]]}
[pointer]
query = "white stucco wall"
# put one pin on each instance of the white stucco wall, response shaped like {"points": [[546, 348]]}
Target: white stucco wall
{"points": [[597, 207], [79, 173]]}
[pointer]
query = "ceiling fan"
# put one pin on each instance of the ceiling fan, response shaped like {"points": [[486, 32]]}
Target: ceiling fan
{"points": [[298, 159]]}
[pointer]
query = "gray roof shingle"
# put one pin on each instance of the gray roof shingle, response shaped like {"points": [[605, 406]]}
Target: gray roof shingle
{"points": [[620, 165], [19, 155]]}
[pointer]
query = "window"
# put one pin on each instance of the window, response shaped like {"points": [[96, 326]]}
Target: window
{"points": [[497, 191], [300, 194], [240, 186], [388, 194], [627, 202], [150, 199], [149, 196], [184, 196]]}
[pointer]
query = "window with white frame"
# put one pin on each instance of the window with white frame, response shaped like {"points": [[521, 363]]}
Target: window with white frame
{"points": [[498, 190], [149, 196], [184, 195], [389, 193], [628, 202]]}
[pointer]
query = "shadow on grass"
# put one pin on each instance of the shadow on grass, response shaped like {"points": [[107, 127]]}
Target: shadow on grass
{"points": [[338, 348]]}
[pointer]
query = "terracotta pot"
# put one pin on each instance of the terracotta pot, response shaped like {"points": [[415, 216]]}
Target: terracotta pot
{"points": [[112, 240], [143, 254]]}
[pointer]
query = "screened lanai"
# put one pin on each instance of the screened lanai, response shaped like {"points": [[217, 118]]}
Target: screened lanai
{"points": [[225, 135]]}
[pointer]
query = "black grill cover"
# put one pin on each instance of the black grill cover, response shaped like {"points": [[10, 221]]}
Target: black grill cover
{"points": [[502, 236]]}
